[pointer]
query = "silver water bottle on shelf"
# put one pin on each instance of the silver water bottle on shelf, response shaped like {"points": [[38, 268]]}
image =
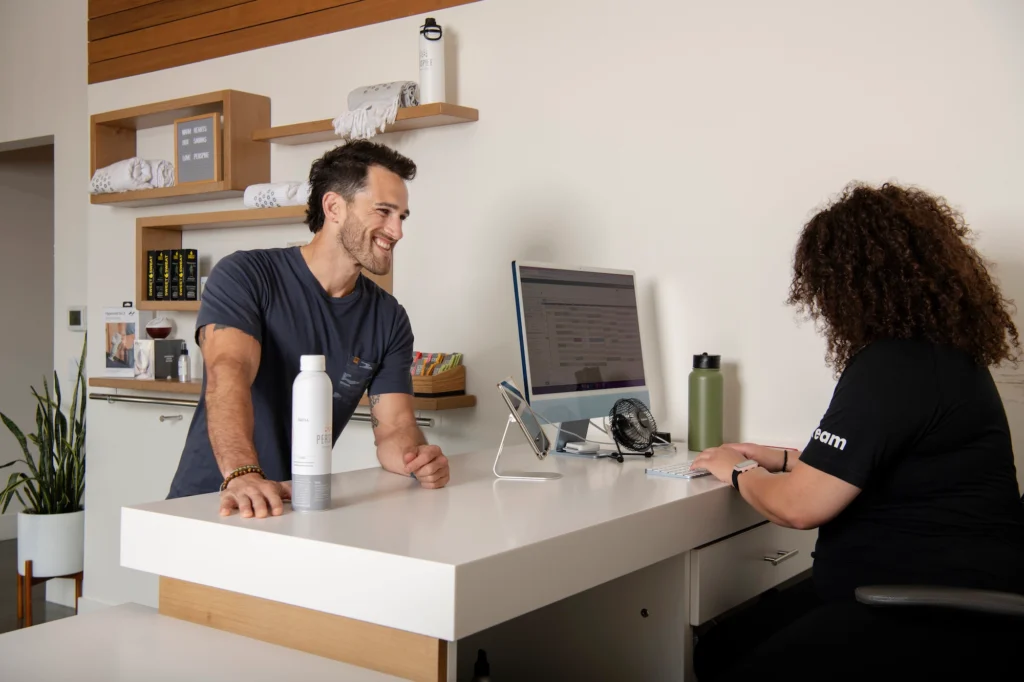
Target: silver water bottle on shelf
{"points": [[431, 63]]}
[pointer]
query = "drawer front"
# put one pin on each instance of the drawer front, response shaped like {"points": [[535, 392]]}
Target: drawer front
{"points": [[731, 571]]}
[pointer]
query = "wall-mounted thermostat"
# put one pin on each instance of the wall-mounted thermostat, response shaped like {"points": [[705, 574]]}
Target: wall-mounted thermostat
{"points": [[76, 318]]}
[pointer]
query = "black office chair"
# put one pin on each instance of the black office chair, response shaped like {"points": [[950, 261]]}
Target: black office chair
{"points": [[977, 601]]}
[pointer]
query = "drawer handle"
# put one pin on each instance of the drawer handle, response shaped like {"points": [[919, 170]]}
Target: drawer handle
{"points": [[781, 556], [170, 417]]}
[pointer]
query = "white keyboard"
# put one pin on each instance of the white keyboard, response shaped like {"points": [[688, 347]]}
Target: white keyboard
{"points": [[681, 470]]}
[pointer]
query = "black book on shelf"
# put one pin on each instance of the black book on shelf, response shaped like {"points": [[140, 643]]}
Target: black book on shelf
{"points": [[175, 276], [159, 275], [190, 276], [150, 275]]}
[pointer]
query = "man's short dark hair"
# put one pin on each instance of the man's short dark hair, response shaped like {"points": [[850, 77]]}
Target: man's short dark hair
{"points": [[344, 170]]}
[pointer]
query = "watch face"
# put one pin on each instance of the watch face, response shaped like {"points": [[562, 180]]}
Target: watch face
{"points": [[746, 464]]}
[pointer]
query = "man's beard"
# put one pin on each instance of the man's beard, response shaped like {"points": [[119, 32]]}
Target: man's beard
{"points": [[358, 241]]}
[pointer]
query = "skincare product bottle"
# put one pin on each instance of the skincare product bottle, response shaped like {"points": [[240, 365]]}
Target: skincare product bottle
{"points": [[312, 441], [184, 364]]}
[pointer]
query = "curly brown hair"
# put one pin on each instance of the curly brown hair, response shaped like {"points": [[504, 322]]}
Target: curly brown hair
{"points": [[897, 263]]}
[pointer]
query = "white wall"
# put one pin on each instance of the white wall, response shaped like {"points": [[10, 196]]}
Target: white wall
{"points": [[686, 140], [43, 97], [26, 274]]}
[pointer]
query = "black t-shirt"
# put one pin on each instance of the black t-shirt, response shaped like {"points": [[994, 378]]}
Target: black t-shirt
{"points": [[271, 295], [921, 430]]}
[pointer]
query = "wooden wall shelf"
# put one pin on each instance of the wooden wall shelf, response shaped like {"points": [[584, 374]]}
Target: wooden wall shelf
{"points": [[169, 306], [246, 217], [410, 118], [155, 233], [150, 385], [199, 191], [245, 161]]}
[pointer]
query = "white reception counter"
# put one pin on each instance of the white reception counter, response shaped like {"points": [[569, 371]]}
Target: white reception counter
{"points": [[433, 568]]}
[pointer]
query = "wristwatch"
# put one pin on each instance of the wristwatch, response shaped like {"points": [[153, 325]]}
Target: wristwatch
{"points": [[745, 465]]}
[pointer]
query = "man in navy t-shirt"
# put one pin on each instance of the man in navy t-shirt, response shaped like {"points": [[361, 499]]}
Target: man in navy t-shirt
{"points": [[263, 309]]}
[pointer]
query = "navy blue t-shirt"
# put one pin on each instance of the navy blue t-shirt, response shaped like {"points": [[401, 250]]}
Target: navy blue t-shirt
{"points": [[272, 296]]}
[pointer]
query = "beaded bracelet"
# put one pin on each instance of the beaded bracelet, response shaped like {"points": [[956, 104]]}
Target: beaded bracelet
{"points": [[242, 471]]}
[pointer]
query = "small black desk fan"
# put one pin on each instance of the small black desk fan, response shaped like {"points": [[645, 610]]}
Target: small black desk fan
{"points": [[632, 426]]}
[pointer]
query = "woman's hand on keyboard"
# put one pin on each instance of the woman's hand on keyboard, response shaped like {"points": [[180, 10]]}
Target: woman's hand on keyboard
{"points": [[769, 458]]}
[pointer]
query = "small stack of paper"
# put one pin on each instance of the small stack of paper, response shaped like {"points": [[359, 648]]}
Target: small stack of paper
{"points": [[427, 364]]}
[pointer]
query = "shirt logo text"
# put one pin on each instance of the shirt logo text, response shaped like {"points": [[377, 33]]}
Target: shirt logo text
{"points": [[830, 439]]}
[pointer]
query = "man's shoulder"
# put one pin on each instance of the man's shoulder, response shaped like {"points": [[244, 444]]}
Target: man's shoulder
{"points": [[255, 257], [379, 296]]}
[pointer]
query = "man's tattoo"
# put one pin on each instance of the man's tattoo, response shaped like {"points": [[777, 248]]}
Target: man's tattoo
{"points": [[374, 422], [202, 332]]}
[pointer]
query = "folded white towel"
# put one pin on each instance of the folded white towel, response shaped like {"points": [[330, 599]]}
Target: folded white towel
{"points": [[374, 107], [132, 174], [273, 194]]}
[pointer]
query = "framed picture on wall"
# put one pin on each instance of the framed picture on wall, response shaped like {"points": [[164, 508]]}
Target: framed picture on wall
{"points": [[197, 149]]}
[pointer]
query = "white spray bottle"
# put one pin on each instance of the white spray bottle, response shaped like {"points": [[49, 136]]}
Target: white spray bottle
{"points": [[312, 441]]}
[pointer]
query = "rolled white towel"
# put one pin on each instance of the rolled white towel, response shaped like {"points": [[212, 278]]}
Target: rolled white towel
{"points": [[273, 194], [163, 173], [372, 108], [123, 176]]}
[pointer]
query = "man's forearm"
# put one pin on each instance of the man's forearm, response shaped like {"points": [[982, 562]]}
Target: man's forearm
{"points": [[392, 446], [229, 418]]}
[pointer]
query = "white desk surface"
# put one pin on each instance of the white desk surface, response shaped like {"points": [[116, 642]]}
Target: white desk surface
{"points": [[445, 563], [130, 642]]}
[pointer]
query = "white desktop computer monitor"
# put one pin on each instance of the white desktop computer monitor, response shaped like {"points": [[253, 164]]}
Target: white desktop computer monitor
{"points": [[579, 337]]}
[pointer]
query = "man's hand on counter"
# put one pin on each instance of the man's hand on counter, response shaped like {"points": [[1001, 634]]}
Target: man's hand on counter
{"points": [[252, 495], [428, 464]]}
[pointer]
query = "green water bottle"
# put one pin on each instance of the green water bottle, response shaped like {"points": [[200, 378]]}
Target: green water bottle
{"points": [[706, 402]]}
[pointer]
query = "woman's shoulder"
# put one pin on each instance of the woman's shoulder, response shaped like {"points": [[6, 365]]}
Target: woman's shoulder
{"points": [[907, 359]]}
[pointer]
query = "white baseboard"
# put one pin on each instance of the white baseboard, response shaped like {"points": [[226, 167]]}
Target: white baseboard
{"points": [[89, 605], [8, 525]]}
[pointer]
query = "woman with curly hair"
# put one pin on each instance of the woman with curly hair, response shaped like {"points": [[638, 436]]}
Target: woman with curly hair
{"points": [[909, 478]]}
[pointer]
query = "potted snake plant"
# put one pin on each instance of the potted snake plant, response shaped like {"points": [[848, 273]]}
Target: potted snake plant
{"points": [[51, 525]]}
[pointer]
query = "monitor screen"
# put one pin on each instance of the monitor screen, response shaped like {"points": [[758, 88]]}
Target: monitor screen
{"points": [[581, 330]]}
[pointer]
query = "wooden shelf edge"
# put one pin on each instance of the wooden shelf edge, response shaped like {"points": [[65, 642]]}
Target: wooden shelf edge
{"points": [[125, 117], [151, 385], [410, 118], [198, 191], [454, 402], [246, 217], [170, 306]]}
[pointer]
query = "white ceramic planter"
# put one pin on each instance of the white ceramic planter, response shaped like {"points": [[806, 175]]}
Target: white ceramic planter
{"points": [[54, 543]]}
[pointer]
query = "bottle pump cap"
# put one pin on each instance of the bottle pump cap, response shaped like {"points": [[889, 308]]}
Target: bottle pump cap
{"points": [[705, 361], [184, 348], [313, 363]]}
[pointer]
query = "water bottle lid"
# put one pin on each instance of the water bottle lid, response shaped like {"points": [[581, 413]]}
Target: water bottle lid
{"points": [[705, 361], [313, 363], [430, 29]]}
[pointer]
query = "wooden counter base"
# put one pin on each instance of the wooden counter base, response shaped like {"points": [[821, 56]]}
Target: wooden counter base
{"points": [[387, 650]]}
